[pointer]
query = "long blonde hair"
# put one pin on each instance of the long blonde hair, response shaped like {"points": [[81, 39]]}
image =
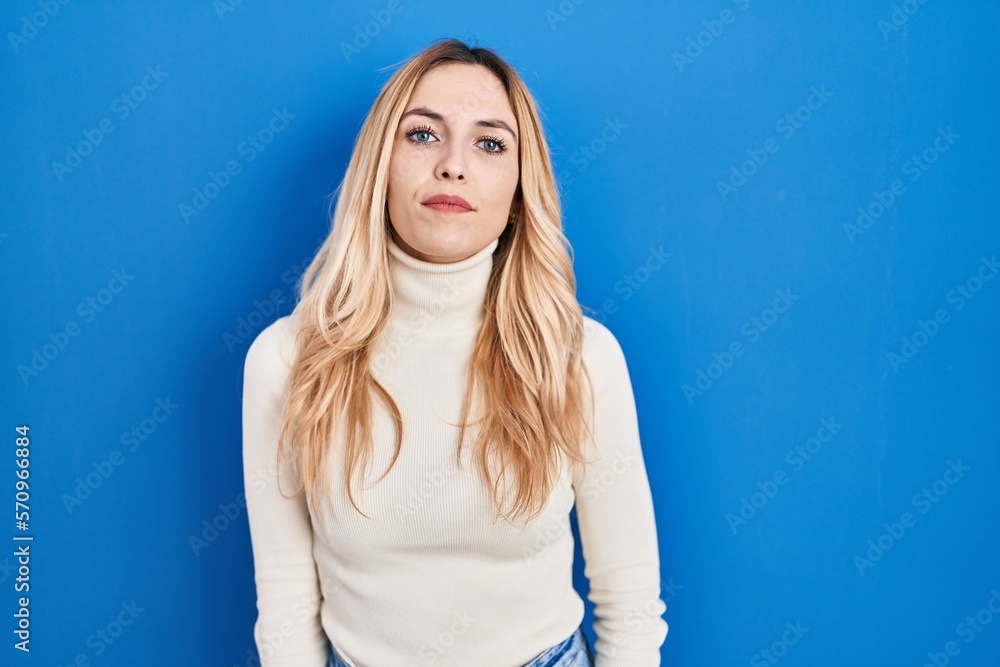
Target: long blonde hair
{"points": [[526, 367]]}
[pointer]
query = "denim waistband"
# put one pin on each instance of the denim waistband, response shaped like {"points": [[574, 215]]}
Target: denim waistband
{"points": [[574, 651]]}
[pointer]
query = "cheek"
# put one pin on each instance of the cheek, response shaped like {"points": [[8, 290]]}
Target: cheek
{"points": [[395, 183], [406, 165], [507, 181], [394, 170]]}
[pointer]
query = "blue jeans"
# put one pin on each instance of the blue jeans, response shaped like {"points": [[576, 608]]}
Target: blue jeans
{"points": [[574, 651]]}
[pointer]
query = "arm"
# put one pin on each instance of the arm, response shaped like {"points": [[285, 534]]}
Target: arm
{"points": [[288, 632], [614, 508]]}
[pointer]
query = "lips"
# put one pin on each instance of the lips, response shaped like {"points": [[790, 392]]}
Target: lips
{"points": [[443, 201]]}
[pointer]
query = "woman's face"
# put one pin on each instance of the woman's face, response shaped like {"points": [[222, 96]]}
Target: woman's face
{"points": [[457, 136]]}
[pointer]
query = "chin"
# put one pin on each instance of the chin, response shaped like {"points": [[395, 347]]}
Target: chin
{"points": [[447, 241]]}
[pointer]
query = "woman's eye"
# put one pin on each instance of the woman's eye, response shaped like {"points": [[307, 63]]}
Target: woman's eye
{"points": [[499, 147], [416, 132]]}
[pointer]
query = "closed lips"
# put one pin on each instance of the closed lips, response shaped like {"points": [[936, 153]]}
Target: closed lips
{"points": [[451, 200]]}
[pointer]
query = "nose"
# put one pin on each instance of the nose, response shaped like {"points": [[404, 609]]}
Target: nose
{"points": [[452, 162]]}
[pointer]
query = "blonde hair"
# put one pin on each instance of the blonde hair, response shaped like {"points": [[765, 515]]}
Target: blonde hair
{"points": [[526, 367]]}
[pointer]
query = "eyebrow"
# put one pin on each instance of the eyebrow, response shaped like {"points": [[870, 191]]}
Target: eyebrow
{"points": [[485, 122]]}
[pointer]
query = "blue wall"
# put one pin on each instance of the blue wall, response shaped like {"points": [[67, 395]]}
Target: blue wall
{"points": [[787, 213]]}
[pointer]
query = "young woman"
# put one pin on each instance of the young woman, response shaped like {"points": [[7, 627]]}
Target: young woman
{"points": [[437, 342]]}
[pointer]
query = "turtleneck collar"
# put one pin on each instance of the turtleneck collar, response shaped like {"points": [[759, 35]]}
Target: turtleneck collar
{"points": [[435, 299]]}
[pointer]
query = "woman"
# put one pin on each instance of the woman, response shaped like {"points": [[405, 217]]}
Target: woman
{"points": [[442, 306]]}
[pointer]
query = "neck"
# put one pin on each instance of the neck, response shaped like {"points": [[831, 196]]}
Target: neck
{"points": [[435, 299]]}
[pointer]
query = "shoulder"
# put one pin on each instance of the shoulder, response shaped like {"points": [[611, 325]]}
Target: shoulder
{"points": [[602, 353], [599, 344], [271, 354]]}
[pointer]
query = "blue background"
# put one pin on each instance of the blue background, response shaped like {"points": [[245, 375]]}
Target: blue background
{"points": [[678, 117]]}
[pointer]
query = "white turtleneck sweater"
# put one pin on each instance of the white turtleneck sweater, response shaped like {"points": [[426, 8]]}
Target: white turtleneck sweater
{"points": [[430, 579]]}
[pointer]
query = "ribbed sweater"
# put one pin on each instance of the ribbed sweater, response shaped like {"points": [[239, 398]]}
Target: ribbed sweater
{"points": [[431, 578]]}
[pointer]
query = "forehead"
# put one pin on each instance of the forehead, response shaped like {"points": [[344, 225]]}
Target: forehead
{"points": [[458, 89]]}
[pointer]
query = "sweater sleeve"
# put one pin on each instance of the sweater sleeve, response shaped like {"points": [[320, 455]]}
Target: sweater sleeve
{"points": [[614, 509], [288, 631]]}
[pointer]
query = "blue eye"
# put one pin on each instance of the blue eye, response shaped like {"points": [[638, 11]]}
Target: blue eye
{"points": [[500, 143], [422, 129]]}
